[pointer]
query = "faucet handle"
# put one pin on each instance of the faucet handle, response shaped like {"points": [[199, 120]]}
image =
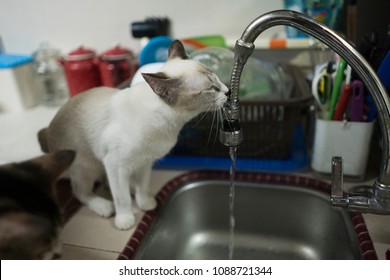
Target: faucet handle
{"points": [[356, 201], [337, 197]]}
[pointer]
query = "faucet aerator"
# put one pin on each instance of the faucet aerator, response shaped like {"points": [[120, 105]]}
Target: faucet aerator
{"points": [[230, 135]]}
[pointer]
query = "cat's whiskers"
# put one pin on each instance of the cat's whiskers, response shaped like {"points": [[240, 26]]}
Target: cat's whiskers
{"points": [[218, 113], [211, 128], [202, 117], [219, 119]]}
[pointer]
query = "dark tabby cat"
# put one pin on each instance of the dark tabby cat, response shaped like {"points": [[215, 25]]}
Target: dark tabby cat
{"points": [[30, 219]]}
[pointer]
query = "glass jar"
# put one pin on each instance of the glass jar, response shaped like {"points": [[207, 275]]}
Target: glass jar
{"points": [[51, 76]]}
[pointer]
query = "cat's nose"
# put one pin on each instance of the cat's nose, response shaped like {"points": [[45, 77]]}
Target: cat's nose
{"points": [[225, 89]]}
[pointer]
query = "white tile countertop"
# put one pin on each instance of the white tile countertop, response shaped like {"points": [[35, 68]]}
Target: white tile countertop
{"points": [[18, 141], [18, 132]]}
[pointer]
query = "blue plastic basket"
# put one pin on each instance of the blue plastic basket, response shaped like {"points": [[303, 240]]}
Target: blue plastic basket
{"points": [[297, 159]]}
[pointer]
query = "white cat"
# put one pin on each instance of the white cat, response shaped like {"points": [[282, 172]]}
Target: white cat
{"points": [[118, 134]]}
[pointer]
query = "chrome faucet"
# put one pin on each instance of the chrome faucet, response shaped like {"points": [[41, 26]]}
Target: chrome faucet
{"points": [[378, 199]]}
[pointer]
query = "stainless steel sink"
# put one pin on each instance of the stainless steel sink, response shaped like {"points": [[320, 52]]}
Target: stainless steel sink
{"points": [[273, 221]]}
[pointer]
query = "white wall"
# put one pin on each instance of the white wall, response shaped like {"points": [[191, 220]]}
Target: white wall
{"points": [[101, 23]]}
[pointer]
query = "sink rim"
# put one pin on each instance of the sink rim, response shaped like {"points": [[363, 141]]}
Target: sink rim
{"points": [[366, 245]]}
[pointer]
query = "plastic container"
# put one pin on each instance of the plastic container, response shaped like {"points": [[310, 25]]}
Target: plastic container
{"points": [[206, 41], [19, 89], [156, 50], [350, 140]]}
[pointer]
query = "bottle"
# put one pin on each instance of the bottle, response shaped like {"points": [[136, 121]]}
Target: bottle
{"points": [[50, 75], [298, 6]]}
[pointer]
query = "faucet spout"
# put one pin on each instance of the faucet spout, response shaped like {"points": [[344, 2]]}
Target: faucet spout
{"points": [[244, 48], [231, 134]]}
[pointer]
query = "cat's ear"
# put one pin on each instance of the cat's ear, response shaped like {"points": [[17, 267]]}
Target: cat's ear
{"points": [[54, 164], [163, 86], [176, 50]]}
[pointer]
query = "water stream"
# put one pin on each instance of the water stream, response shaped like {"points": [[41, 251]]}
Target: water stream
{"points": [[233, 156]]}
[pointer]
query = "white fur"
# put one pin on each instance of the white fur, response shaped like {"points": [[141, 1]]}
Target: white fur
{"points": [[119, 134]]}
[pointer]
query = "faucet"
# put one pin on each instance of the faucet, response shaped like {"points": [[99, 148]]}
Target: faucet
{"points": [[378, 199]]}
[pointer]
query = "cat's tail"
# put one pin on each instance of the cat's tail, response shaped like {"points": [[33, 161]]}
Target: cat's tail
{"points": [[43, 140]]}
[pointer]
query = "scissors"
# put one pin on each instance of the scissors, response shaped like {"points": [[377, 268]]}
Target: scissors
{"points": [[322, 84]]}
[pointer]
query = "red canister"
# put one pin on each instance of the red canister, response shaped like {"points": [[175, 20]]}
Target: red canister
{"points": [[81, 70], [116, 66]]}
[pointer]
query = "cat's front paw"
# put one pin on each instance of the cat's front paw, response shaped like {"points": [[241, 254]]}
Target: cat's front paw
{"points": [[146, 203], [102, 207], [124, 221]]}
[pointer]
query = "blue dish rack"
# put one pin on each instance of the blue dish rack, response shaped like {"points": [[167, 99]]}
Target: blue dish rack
{"points": [[297, 159]]}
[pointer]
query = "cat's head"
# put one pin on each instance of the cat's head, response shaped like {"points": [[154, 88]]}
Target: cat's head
{"points": [[29, 216], [186, 83]]}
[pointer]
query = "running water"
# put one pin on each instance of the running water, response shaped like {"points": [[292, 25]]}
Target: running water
{"points": [[233, 156]]}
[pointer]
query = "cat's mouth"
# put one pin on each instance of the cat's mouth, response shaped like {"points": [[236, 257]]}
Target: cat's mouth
{"points": [[220, 101]]}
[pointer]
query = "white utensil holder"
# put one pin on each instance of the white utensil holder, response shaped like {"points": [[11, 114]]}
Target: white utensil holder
{"points": [[350, 140]]}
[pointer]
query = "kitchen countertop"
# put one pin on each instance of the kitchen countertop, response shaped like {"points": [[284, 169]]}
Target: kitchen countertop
{"points": [[18, 142]]}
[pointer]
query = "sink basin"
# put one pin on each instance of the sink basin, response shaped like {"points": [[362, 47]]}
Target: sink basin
{"points": [[277, 217]]}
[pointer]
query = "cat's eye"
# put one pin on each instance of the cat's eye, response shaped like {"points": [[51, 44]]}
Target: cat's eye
{"points": [[214, 88]]}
